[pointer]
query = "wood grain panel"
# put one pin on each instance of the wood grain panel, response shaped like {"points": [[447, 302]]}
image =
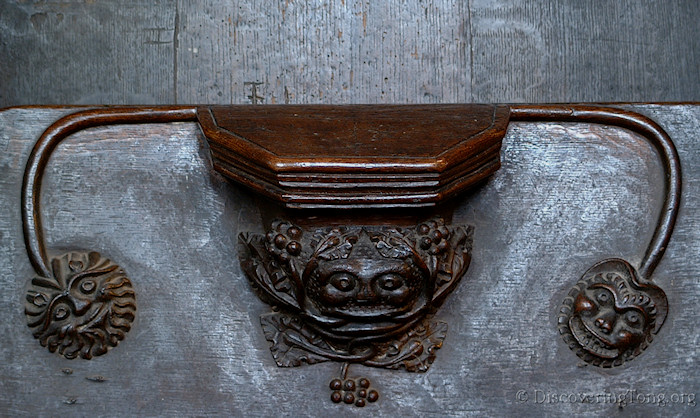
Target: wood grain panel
{"points": [[323, 52], [351, 51], [86, 52], [525, 51]]}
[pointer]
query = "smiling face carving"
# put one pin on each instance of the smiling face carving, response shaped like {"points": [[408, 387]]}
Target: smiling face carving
{"points": [[615, 326], [609, 317]]}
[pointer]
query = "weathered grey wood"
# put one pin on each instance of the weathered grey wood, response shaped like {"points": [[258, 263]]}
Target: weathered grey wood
{"points": [[567, 196], [324, 52], [437, 51], [532, 51], [86, 52], [196, 347]]}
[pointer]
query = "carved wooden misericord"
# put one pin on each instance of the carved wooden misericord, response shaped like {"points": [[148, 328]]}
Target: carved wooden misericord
{"points": [[359, 250]]}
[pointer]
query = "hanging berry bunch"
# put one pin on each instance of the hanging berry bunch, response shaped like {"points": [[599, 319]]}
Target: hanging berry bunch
{"points": [[433, 240], [351, 392]]}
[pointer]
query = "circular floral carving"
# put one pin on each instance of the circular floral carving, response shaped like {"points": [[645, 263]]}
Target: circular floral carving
{"points": [[85, 309]]}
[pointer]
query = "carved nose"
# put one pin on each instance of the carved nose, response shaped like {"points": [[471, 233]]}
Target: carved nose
{"points": [[605, 323], [80, 305], [365, 294]]}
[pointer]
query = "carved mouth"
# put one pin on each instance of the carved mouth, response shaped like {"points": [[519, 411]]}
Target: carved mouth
{"points": [[374, 327], [590, 340], [370, 311], [366, 311]]}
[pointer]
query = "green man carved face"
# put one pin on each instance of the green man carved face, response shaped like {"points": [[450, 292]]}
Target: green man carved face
{"points": [[357, 282], [364, 287]]}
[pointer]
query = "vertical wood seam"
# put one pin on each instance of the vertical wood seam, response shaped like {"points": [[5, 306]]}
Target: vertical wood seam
{"points": [[471, 52], [176, 34]]}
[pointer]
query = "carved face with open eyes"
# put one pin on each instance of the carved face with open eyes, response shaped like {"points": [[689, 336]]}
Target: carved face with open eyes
{"points": [[610, 317], [357, 282], [364, 287], [84, 309], [613, 326], [372, 285]]}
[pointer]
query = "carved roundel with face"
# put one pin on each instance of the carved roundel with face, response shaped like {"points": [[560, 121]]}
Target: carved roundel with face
{"points": [[85, 309], [609, 317]]}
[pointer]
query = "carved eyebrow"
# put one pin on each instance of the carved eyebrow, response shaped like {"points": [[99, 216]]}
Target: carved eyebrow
{"points": [[346, 266], [400, 268], [606, 287], [619, 305], [325, 276], [628, 307]]}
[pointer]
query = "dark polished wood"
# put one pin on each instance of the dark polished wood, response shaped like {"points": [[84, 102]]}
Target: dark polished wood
{"points": [[358, 155]]}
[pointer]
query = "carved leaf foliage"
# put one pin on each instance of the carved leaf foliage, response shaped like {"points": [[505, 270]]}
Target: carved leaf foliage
{"points": [[84, 309], [293, 343], [273, 262], [453, 264], [265, 274], [290, 340], [414, 351], [392, 244], [336, 246]]}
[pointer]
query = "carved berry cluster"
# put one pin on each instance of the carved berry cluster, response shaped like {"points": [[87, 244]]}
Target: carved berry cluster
{"points": [[350, 392], [283, 241], [433, 236]]}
